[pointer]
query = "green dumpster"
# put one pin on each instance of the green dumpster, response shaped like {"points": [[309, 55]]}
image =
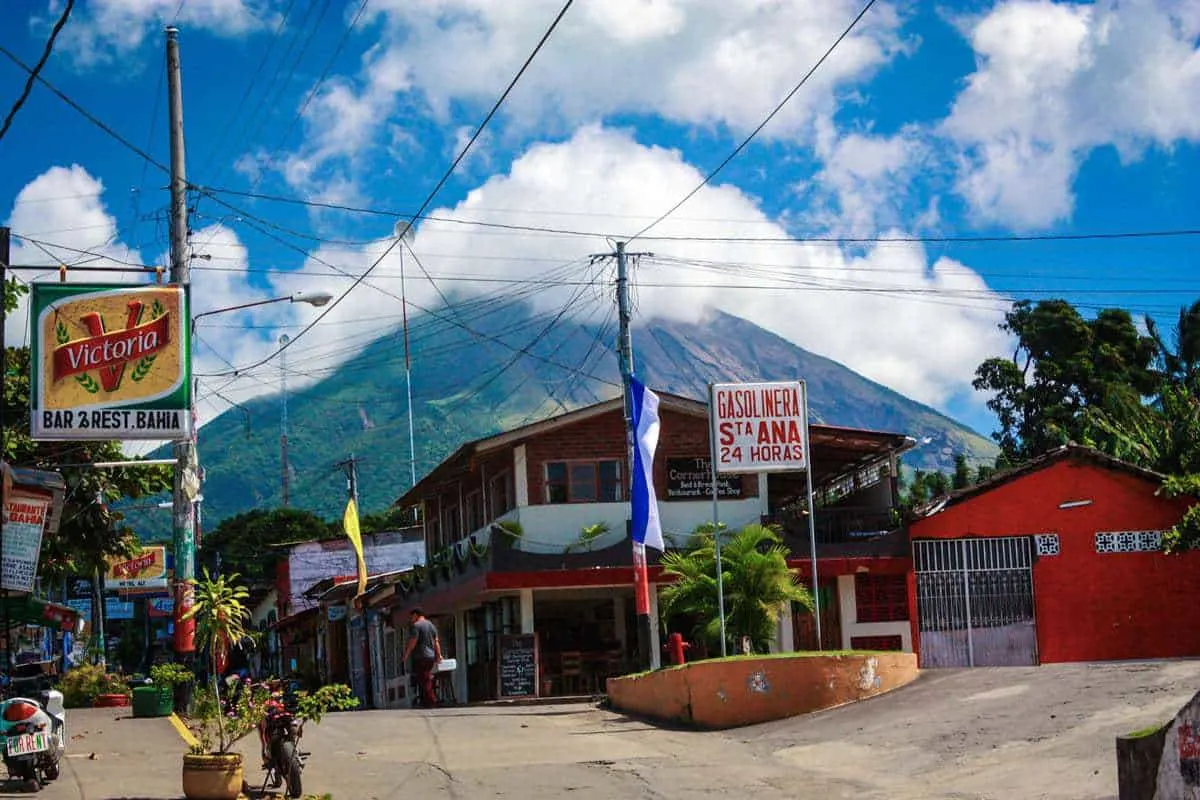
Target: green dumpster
{"points": [[153, 701]]}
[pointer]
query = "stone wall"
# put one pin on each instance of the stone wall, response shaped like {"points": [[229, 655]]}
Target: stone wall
{"points": [[729, 693]]}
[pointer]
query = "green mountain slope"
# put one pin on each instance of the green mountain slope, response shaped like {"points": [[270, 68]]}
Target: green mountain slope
{"points": [[467, 385]]}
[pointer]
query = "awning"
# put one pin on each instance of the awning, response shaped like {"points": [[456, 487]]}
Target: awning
{"points": [[30, 610]]}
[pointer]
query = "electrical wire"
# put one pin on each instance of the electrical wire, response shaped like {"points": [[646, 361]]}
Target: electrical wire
{"points": [[429, 199], [742, 146], [35, 73]]}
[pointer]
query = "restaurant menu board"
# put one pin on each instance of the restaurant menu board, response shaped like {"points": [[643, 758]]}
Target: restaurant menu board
{"points": [[518, 665], [24, 519]]}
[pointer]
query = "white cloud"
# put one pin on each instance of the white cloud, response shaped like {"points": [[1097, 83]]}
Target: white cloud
{"points": [[865, 180], [63, 209], [102, 31], [701, 62], [1055, 81], [924, 339]]}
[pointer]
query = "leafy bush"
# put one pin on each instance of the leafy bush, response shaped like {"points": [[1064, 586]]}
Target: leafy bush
{"points": [[85, 682], [170, 674], [79, 685]]}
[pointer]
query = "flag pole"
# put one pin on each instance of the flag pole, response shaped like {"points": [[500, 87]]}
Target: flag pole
{"points": [[712, 455]]}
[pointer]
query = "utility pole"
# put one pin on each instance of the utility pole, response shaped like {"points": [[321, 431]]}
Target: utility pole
{"points": [[5, 259], [641, 578], [350, 465], [184, 491], [403, 232], [283, 442]]}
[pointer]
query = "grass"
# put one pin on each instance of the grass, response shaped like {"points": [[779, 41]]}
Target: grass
{"points": [[763, 656], [1144, 732]]}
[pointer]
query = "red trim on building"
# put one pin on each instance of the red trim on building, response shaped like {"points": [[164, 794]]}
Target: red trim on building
{"points": [[832, 567]]}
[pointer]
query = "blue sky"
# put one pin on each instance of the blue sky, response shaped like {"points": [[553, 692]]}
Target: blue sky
{"points": [[975, 119]]}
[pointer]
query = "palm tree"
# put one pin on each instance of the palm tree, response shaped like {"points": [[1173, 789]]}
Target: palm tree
{"points": [[757, 584], [1181, 365], [221, 615]]}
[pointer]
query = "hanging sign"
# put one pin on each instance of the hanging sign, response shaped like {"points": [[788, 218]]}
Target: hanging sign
{"points": [[110, 362], [24, 520], [146, 570], [759, 427]]}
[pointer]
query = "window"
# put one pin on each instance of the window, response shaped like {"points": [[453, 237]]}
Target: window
{"points": [[474, 504], [583, 482], [880, 598], [451, 525], [501, 494]]}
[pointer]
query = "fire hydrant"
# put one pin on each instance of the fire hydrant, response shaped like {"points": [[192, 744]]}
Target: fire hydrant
{"points": [[676, 646]]}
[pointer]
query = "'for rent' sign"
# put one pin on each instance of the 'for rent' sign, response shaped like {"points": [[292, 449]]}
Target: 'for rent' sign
{"points": [[759, 427]]}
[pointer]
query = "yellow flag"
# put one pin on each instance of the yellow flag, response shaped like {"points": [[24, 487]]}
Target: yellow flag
{"points": [[350, 523]]}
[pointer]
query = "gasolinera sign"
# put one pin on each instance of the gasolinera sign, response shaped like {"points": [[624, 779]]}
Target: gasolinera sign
{"points": [[110, 362]]}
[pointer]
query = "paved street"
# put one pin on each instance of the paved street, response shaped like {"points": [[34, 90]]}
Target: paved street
{"points": [[1007, 733]]}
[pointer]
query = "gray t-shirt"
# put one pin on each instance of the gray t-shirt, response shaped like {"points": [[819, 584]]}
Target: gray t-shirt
{"points": [[425, 633]]}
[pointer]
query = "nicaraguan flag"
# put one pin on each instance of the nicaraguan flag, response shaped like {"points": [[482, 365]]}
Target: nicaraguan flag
{"points": [[647, 529]]}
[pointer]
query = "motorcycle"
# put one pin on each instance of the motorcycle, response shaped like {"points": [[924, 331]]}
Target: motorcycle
{"points": [[280, 735], [33, 732]]}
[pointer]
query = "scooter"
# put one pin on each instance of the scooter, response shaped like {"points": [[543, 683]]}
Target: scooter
{"points": [[33, 735], [280, 735]]}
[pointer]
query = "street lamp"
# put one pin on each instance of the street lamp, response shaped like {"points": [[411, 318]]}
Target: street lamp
{"points": [[185, 494], [317, 299]]}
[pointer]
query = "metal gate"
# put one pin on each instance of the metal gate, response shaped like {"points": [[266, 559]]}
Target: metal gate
{"points": [[975, 602]]}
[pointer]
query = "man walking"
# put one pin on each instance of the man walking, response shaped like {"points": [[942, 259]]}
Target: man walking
{"points": [[426, 651]]}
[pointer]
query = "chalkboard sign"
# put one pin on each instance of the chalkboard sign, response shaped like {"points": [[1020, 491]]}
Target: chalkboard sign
{"points": [[518, 665]]}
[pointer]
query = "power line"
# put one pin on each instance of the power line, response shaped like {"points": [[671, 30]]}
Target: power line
{"points": [[837, 239], [737, 150], [89, 116], [37, 69], [430, 198]]}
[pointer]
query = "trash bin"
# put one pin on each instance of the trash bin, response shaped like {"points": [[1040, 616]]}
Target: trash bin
{"points": [[153, 701]]}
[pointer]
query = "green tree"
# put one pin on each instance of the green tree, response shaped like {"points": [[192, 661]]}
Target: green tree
{"points": [[962, 472], [248, 543], [89, 530], [757, 582], [1063, 365], [1180, 360]]}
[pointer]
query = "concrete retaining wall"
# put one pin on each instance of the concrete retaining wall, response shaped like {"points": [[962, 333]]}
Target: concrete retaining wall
{"points": [[728, 693]]}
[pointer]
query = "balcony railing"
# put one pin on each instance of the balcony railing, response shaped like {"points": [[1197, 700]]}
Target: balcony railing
{"points": [[846, 530]]}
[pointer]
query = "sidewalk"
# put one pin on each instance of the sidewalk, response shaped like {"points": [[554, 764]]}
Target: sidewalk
{"points": [[112, 756]]}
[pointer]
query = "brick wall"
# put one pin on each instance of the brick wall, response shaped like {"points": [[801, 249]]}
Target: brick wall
{"points": [[603, 437], [1090, 606]]}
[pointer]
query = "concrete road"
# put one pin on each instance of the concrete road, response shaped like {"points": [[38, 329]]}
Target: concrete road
{"points": [[1037, 732], [1016, 734], [110, 755]]}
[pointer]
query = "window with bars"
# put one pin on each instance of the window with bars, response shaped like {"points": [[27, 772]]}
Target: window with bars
{"points": [[583, 482], [880, 598]]}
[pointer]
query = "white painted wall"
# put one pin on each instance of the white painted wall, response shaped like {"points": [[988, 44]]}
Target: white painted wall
{"points": [[848, 611]]}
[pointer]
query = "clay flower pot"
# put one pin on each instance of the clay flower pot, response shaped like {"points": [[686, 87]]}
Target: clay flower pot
{"points": [[212, 777]]}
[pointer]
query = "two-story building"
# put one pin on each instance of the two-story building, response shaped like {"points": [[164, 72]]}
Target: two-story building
{"points": [[527, 532]]}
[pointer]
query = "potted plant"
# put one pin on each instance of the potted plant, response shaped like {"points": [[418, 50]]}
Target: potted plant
{"points": [[159, 697], [211, 771]]}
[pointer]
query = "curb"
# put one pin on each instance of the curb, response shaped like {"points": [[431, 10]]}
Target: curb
{"points": [[188, 737]]}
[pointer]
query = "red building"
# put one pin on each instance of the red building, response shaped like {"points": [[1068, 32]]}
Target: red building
{"points": [[1058, 560], [527, 534]]}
